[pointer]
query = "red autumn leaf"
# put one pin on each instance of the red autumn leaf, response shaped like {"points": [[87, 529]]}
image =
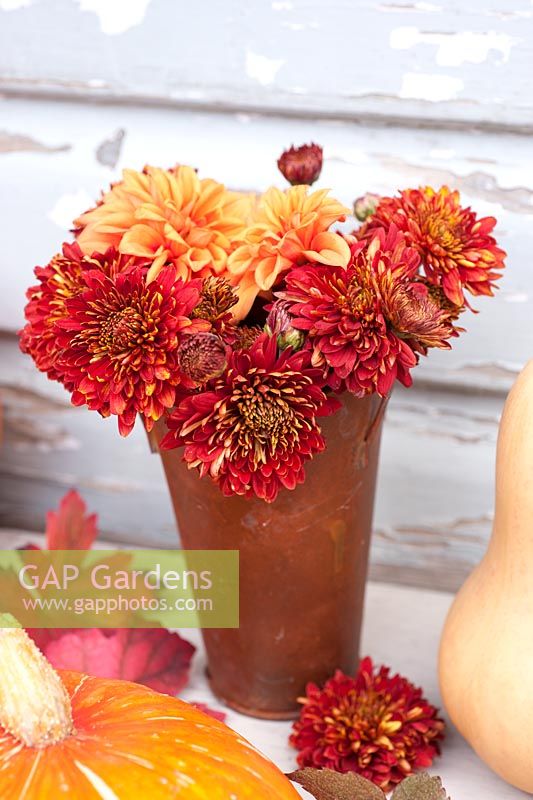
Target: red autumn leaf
{"points": [[152, 656], [86, 650], [70, 527], [156, 658], [211, 712]]}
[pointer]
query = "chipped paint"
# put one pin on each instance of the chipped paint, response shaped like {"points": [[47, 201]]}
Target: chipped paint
{"points": [[403, 7], [454, 49], [432, 87], [482, 185], [13, 5], [444, 153], [108, 151], [491, 369], [301, 26], [26, 434], [20, 143], [116, 16], [68, 207], [261, 68], [97, 83]]}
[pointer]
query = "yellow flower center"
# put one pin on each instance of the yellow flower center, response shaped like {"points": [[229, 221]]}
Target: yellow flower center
{"points": [[122, 330]]}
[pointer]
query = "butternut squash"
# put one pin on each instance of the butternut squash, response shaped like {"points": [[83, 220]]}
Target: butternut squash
{"points": [[486, 653]]}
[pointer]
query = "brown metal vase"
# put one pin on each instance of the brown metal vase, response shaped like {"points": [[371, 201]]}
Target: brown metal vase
{"points": [[303, 565]]}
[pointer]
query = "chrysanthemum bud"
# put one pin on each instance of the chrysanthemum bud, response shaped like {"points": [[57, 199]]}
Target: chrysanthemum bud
{"points": [[279, 323], [216, 299], [301, 165], [202, 356], [365, 206]]}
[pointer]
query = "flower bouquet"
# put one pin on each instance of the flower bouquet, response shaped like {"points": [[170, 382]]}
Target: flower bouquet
{"points": [[258, 344]]}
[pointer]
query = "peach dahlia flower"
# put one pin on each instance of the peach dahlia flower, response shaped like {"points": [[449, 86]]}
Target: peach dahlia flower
{"points": [[288, 228], [171, 216]]}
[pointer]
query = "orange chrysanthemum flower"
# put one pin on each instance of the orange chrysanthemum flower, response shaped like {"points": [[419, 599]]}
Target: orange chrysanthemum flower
{"points": [[289, 228], [170, 216], [457, 249]]}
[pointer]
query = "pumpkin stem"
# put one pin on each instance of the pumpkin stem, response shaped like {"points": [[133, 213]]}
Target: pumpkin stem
{"points": [[34, 704]]}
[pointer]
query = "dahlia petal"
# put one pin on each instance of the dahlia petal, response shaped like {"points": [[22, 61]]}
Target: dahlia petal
{"points": [[140, 240], [329, 248]]}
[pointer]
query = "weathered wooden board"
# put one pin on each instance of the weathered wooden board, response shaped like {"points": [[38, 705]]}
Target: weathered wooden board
{"points": [[399, 93], [434, 505], [55, 158], [450, 61]]}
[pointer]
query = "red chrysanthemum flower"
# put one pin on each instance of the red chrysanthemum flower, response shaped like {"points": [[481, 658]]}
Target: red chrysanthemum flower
{"points": [[120, 343], [252, 429], [342, 314], [376, 725], [301, 165], [416, 314], [365, 323], [60, 280], [457, 249]]}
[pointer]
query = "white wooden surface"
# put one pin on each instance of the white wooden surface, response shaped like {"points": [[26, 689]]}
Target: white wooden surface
{"points": [[442, 60], [399, 93], [402, 629]]}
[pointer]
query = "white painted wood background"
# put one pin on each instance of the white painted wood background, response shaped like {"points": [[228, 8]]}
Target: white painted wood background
{"points": [[399, 93]]}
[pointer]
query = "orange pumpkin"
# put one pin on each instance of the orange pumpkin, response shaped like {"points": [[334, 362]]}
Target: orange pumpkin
{"points": [[67, 735]]}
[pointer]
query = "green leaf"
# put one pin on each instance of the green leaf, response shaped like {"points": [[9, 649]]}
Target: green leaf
{"points": [[325, 784], [420, 787]]}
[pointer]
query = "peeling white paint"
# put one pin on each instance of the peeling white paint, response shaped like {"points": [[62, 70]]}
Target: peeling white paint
{"points": [[192, 93], [432, 87], [13, 5], [96, 83], [403, 7], [116, 16], [427, 7], [68, 207], [261, 68], [301, 26], [442, 153], [457, 48]]}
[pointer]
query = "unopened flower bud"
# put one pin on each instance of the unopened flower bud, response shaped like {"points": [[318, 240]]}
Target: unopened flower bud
{"points": [[291, 338], [301, 165], [202, 356], [365, 206], [279, 323]]}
